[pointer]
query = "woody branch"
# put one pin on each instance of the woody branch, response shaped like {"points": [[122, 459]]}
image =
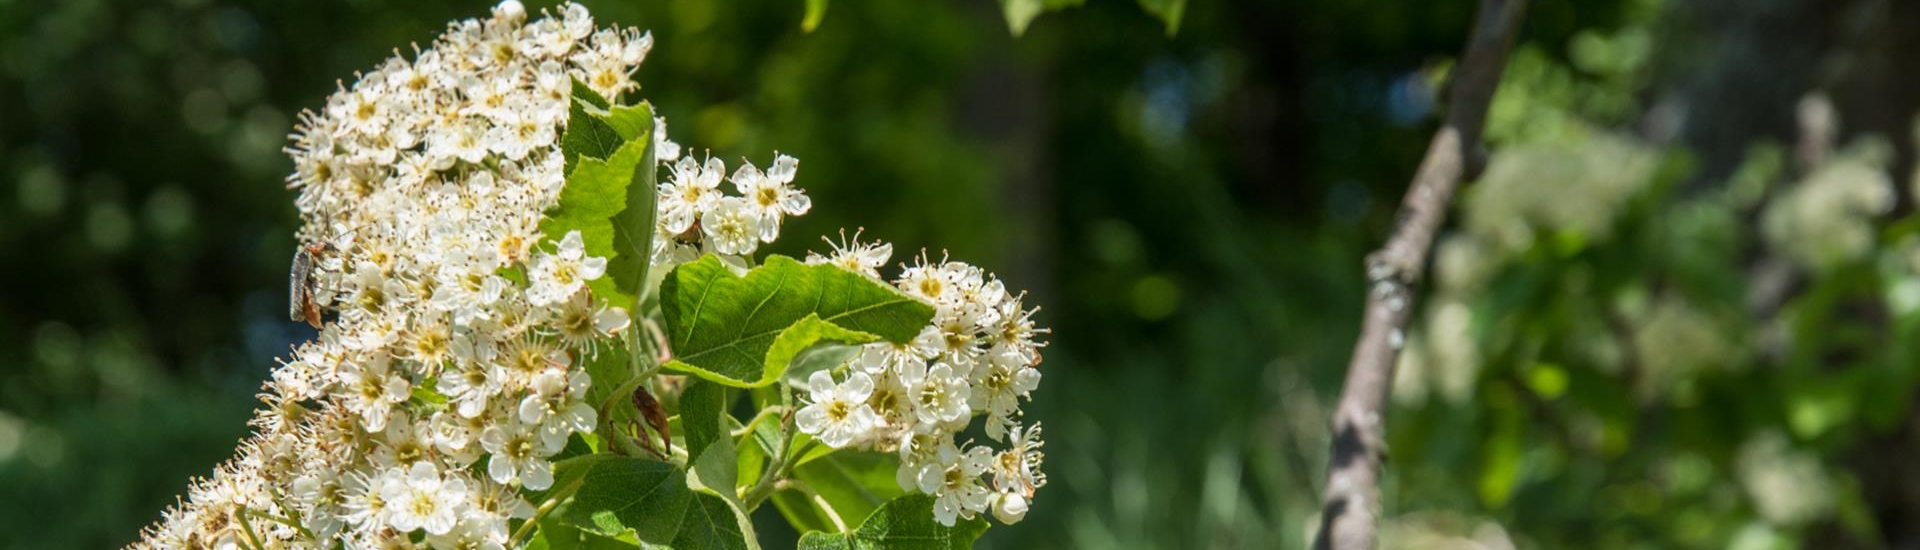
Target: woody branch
{"points": [[1350, 507]]}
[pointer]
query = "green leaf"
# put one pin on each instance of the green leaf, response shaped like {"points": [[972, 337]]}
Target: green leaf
{"points": [[588, 132], [617, 493], [555, 534], [1020, 13], [904, 523], [710, 522], [757, 449], [743, 331], [609, 194], [610, 368], [651, 498], [710, 450], [852, 483], [580, 444], [1169, 11], [810, 334], [632, 122], [428, 395], [816, 11], [820, 357]]}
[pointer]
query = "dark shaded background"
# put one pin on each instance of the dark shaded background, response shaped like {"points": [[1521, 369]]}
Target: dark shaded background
{"points": [[1190, 211]]}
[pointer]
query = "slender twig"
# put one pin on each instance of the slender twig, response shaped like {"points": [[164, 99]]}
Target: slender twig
{"points": [[814, 495], [784, 459], [1351, 503], [754, 424], [553, 501]]}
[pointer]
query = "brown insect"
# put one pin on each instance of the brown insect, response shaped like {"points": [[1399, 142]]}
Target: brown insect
{"points": [[300, 306]]}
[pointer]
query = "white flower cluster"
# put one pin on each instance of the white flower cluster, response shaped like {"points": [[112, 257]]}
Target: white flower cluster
{"points": [[977, 357], [420, 184], [1786, 485], [452, 373], [696, 217], [1594, 175], [1827, 218]]}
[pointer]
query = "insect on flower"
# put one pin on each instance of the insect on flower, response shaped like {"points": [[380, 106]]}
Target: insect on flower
{"points": [[300, 306]]}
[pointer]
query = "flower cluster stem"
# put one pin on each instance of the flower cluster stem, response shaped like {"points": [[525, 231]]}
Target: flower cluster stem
{"points": [[553, 501]]}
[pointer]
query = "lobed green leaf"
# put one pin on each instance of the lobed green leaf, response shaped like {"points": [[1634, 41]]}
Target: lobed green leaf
{"points": [[610, 191], [744, 331]]}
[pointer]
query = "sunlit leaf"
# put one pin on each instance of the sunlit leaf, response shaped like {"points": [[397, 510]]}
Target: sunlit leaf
{"points": [[609, 193], [744, 331], [816, 11]]}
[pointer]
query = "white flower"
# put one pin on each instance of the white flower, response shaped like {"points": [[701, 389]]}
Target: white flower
{"points": [[556, 276], [403, 442], [581, 324], [473, 532], [664, 149], [469, 296], [425, 500], [838, 414], [938, 395], [767, 195], [519, 454], [919, 447], [372, 389], [1009, 508], [529, 356], [893, 403], [852, 255], [882, 356], [694, 188], [472, 384], [998, 384], [668, 248], [556, 406], [321, 495], [1017, 469], [954, 482], [510, 11], [731, 227], [454, 435], [950, 339]]}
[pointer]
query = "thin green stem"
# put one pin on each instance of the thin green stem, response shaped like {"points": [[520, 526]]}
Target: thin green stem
{"points": [[755, 423], [781, 464], [291, 519], [803, 488], [287, 521], [240, 517], [553, 501], [797, 454], [641, 366]]}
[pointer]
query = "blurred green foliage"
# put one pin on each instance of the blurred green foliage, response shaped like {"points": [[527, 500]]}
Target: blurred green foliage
{"points": [[1616, 351]]}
